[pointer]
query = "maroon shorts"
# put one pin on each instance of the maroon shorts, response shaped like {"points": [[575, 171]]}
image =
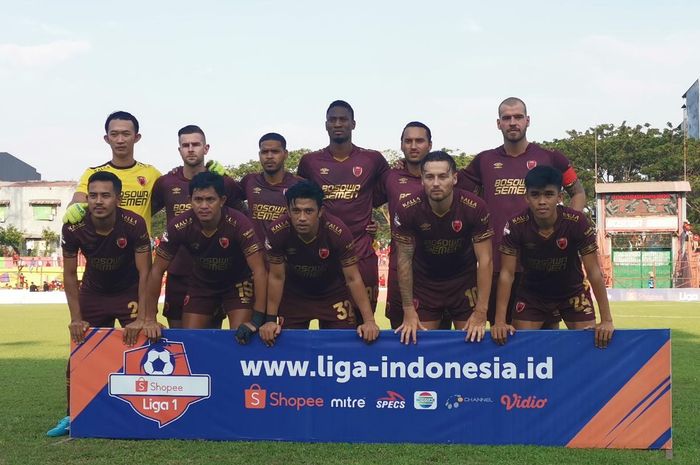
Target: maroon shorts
{"points": [[454, 298], [577, 308], [333, 311], [238, 296], [101, 310], [369, 271], [175, 292]]}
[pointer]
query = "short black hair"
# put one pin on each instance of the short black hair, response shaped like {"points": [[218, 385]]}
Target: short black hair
{"points": [[342, 104], [417, 124], [273, 136], [540, 177], [122, 115], [191, 129], [439, 155], [305, 190], [108, 177], [207, 179]]}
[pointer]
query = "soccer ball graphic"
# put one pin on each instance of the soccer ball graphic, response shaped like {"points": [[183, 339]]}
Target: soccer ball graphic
{"points": [[159, 362]]}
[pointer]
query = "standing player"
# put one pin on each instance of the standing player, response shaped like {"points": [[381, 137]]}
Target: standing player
{"points": [[172, 192], [348, 175], [444, 258], [265, 190], [122, 132], [312, 267], [499, 176], [117, 248], [551, 241], [396, 185], [228, 268]]}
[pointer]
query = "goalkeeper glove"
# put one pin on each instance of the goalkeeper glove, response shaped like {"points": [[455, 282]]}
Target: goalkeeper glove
{"points": [[243, 333], [217, 168], [75, 213]]}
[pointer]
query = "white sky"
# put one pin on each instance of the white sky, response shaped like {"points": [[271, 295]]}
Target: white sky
{"points": [[242, 68]]}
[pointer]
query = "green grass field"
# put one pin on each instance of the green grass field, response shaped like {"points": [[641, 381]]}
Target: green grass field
{"points": [[34, 348]]}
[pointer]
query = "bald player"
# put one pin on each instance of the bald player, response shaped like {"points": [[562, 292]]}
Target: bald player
{"points": [[498, 175]]}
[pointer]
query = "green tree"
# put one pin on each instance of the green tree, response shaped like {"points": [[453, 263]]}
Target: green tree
{"points": [[50, 239], [12, 237]]}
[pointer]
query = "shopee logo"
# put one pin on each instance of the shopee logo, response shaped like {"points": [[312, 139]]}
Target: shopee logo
{"points": [[255, 397]]}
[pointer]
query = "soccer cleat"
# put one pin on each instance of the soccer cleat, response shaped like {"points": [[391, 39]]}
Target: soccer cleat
{"points": [[61, 429]]}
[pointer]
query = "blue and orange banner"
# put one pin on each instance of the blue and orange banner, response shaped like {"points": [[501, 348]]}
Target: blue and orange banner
{"points": [[549, 388]]}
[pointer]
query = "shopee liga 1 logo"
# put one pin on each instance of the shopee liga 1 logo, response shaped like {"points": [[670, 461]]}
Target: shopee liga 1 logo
{"points": [[158, 383]]}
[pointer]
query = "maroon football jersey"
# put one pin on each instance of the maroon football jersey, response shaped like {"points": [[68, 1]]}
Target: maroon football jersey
{"points": [[172, 192], [219, 260], [396, 186], [110, 267], [314, 268], [501, 180], [348, 186], [444, 245], [266, 202], [552, 266]]}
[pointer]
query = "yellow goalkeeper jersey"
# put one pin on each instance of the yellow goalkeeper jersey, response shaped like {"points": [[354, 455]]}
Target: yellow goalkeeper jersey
{"points": [[137, 186]]}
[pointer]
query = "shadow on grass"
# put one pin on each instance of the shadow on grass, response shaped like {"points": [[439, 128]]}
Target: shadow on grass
{"points": [[34, 398], [19, 343]]}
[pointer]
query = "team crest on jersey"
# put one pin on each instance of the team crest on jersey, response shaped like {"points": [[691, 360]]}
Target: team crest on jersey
{"points": [[531, 164], [497, 165], [223, 242], [519, 306], [121, 242], [357, 171], [324, 171], [562, 242], [403, 180], [176, 190], [323, 253], [141, 180], [256, 190], [457, 225]]}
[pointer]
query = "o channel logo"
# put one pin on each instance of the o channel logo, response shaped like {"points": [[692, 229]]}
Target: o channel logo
{"points": [[425, 400]]}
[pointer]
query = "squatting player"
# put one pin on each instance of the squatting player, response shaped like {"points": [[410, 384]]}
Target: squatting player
{"points": [[228, 269], [312, 267], [264, 191], [396, 185], [117, 248], [499, 175], [348, 175], [172, 192], [122, 133], [551, 241], [444, 253]]}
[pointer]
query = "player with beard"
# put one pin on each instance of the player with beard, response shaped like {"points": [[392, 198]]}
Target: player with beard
{"points": [[313, 270], [551, 241], [264, 191], [396, 185], [228, 269], [444, 253], [171, 191], [498, 175], [348, 175], [117, 249]]}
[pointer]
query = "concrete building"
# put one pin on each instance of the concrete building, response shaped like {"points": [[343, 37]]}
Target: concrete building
{"points": [[691, 109], [32, 206], [14, 169]]}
